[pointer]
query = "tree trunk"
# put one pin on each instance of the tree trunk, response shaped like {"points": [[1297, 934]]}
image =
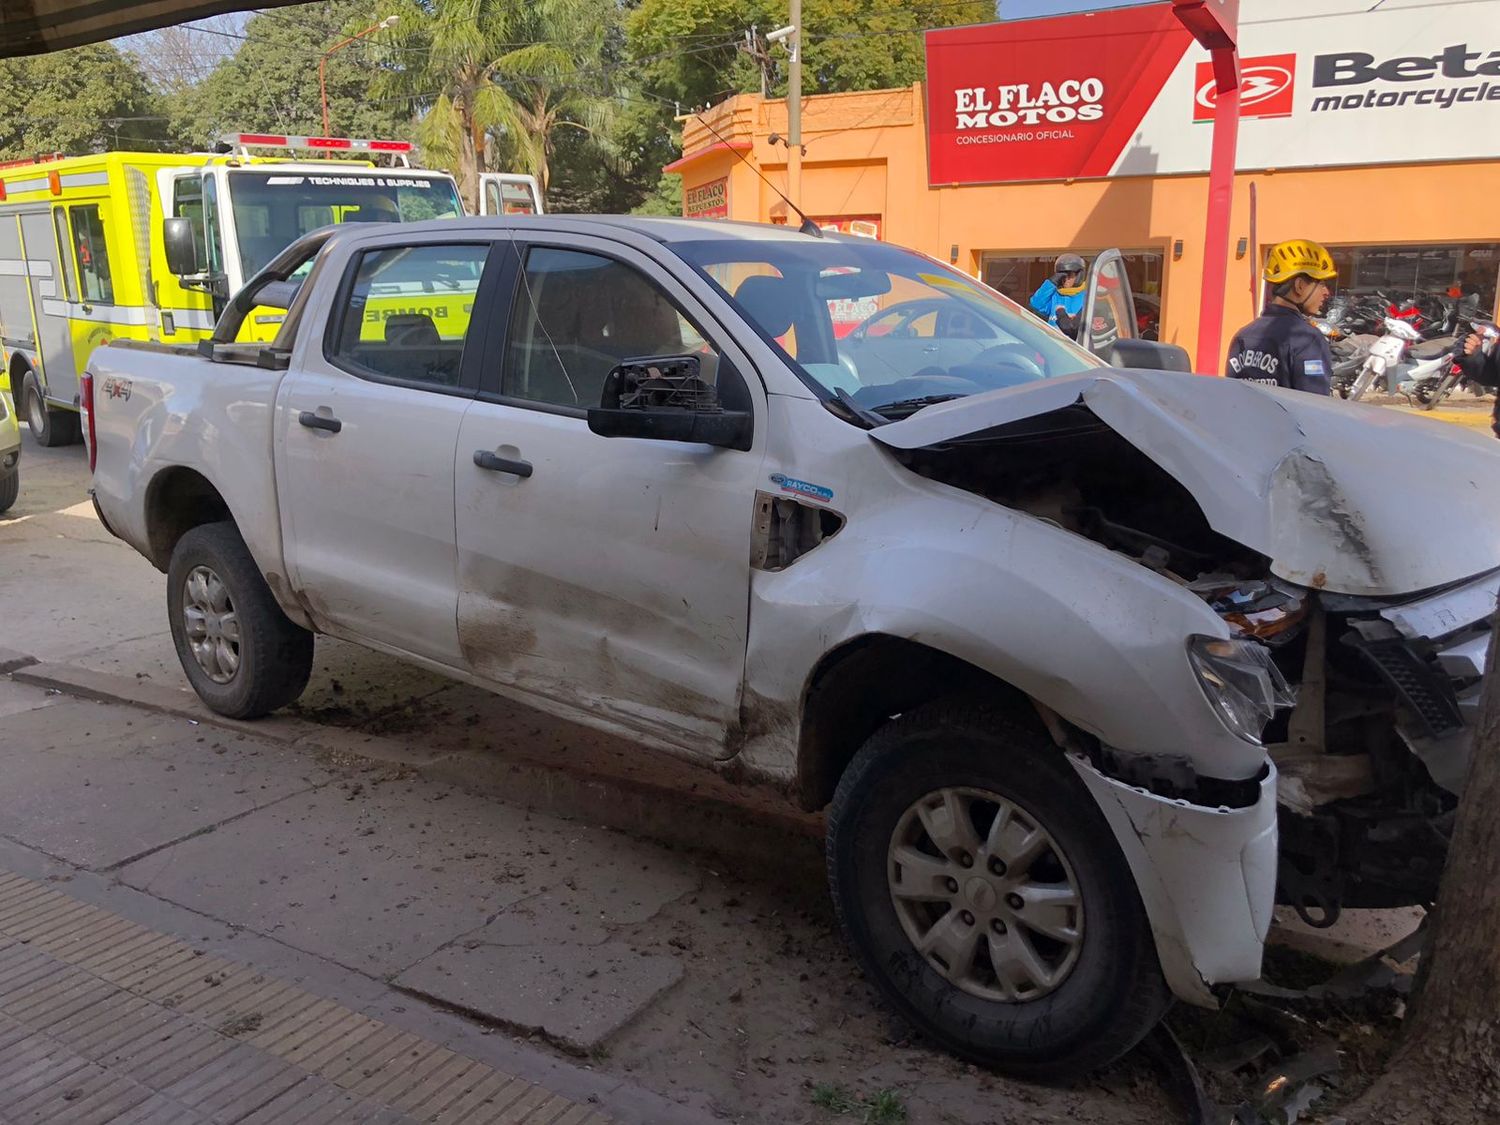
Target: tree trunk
{"points": [[1446, 1066], [470, 157]]}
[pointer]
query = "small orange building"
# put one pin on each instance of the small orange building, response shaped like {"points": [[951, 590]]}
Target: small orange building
{"points": [[1404, 190]]}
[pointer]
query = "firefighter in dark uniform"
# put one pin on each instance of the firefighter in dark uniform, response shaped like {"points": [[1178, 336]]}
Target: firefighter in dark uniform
{"points": [[1281, 348]]}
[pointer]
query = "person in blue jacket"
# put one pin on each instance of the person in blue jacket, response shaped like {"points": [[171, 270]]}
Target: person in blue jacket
{"points": [[1059, 300]]}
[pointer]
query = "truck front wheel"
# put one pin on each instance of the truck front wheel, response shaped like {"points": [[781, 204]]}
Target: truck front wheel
{"points": [[242, 655], [986, 898]]}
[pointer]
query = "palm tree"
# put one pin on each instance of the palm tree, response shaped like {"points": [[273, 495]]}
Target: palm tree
{"points": [[499, 76]]}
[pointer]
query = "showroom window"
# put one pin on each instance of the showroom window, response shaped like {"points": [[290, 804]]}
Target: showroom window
{"points": [[1454, 270], [1018, 277]]}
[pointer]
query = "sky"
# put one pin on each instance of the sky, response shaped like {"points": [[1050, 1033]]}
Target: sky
{"points": [[1025, 9]]}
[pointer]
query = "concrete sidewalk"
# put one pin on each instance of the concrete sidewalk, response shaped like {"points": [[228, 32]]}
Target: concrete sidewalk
{"points": [[104, 1020]]}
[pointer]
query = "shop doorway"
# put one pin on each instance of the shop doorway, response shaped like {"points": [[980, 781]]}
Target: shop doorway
{"points": [[1017, 276]]}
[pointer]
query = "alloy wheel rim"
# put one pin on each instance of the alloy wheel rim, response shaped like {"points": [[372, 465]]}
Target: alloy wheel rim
{"points": [[211, 624], [985, 895]]}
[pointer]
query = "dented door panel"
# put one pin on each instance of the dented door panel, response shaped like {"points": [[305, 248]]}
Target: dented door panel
{"points": [[613, 578]]}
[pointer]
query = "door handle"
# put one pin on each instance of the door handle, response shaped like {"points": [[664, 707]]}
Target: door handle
{"points": [[86, 307], [497, 464], [318, 422]]}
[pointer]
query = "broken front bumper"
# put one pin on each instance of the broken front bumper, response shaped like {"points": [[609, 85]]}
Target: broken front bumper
{"points": [[1206, 876]]}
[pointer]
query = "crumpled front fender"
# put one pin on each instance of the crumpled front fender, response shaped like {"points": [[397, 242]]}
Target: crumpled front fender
{"points": [[1206, 876]]}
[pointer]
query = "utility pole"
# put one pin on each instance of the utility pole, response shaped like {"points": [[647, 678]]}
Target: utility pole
{"points": [[389, 21], [794, 107]]}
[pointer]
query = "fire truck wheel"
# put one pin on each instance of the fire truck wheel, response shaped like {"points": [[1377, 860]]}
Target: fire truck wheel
{"points": [[50, 427]]}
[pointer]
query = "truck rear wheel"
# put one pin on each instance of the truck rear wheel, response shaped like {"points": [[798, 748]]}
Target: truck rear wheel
{"points": [[50, 427], [985, 896], [10, 488], [242, 655]]}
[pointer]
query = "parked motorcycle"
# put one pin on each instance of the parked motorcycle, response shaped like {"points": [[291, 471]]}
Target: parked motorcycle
{"points": [[1385, 353]]}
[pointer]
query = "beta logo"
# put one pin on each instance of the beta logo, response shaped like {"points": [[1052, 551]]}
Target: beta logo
{"points": [[1267, 84]]}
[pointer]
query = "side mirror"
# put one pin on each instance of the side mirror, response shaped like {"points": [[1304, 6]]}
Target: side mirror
{"points": [[181, 246], [666, 399], [1150, 355]]}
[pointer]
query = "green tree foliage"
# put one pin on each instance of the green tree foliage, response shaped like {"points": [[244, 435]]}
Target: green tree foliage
{"points": [[497, 81], [270, 84], [691, 52], [87, 99]]}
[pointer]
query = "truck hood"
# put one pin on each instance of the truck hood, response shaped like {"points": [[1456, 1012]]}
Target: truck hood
{"points": [[1359, 500]]}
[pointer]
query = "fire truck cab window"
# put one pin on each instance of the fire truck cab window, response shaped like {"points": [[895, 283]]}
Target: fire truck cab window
{"points": [[65, 252], [213, 244], [94, 280], [272, 210], [509, 199]]}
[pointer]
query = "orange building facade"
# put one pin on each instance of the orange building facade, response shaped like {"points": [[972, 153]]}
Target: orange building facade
{"points": [[1424, 227]]}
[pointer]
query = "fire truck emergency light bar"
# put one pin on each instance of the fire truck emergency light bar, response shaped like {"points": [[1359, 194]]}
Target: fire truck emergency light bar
{"points": [[346, 144]]}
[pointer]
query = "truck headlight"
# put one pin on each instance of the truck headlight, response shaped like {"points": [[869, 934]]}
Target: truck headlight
{"points": [[1241, 681]]}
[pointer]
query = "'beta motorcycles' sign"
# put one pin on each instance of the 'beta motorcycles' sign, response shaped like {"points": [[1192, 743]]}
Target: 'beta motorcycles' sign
{"points": [[1044, 99], [1127, 92]]}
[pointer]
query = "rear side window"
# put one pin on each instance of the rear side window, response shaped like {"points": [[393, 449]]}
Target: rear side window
{"points": [[95, 283], [407, 312]]}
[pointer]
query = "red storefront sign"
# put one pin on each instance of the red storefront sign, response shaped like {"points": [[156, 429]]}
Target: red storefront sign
{"points": [[1045, 99], [707, 201], [1267, 87]]}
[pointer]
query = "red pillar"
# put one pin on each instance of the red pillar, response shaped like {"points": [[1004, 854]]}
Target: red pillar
{"points": [[1210, 361], [1214, 24]]}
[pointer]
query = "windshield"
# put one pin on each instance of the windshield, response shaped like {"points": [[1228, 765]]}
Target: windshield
{"points": [[892, 330], [274, 209]]}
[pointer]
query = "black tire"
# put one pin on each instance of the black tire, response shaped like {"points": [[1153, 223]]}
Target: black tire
{"points": [[274, 654], [10, 488], [1113, 995], [50, 427], [1422, 392]]}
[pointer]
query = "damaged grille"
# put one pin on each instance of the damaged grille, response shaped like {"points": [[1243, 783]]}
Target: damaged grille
{"points": [[1419, 682], [1433, 651]]}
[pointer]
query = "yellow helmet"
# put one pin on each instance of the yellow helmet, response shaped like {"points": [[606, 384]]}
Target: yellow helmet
{"points": [[1297, 256]]}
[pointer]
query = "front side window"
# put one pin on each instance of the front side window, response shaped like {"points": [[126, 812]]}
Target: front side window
{"points": [[1112, 315], [408, 313], [89, 251], [187, 203], [577, 315], [214, 245], [893, 330]]}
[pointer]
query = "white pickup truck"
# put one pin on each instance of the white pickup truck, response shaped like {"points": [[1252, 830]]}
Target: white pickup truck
{"points": [[1051, 641]]}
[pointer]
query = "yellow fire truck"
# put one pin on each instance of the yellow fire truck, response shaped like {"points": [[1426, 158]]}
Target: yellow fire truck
{"points": [[149, 246]]}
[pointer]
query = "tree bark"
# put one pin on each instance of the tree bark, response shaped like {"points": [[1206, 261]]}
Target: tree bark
{"points": [[1446, 1066], [470, 153]]}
